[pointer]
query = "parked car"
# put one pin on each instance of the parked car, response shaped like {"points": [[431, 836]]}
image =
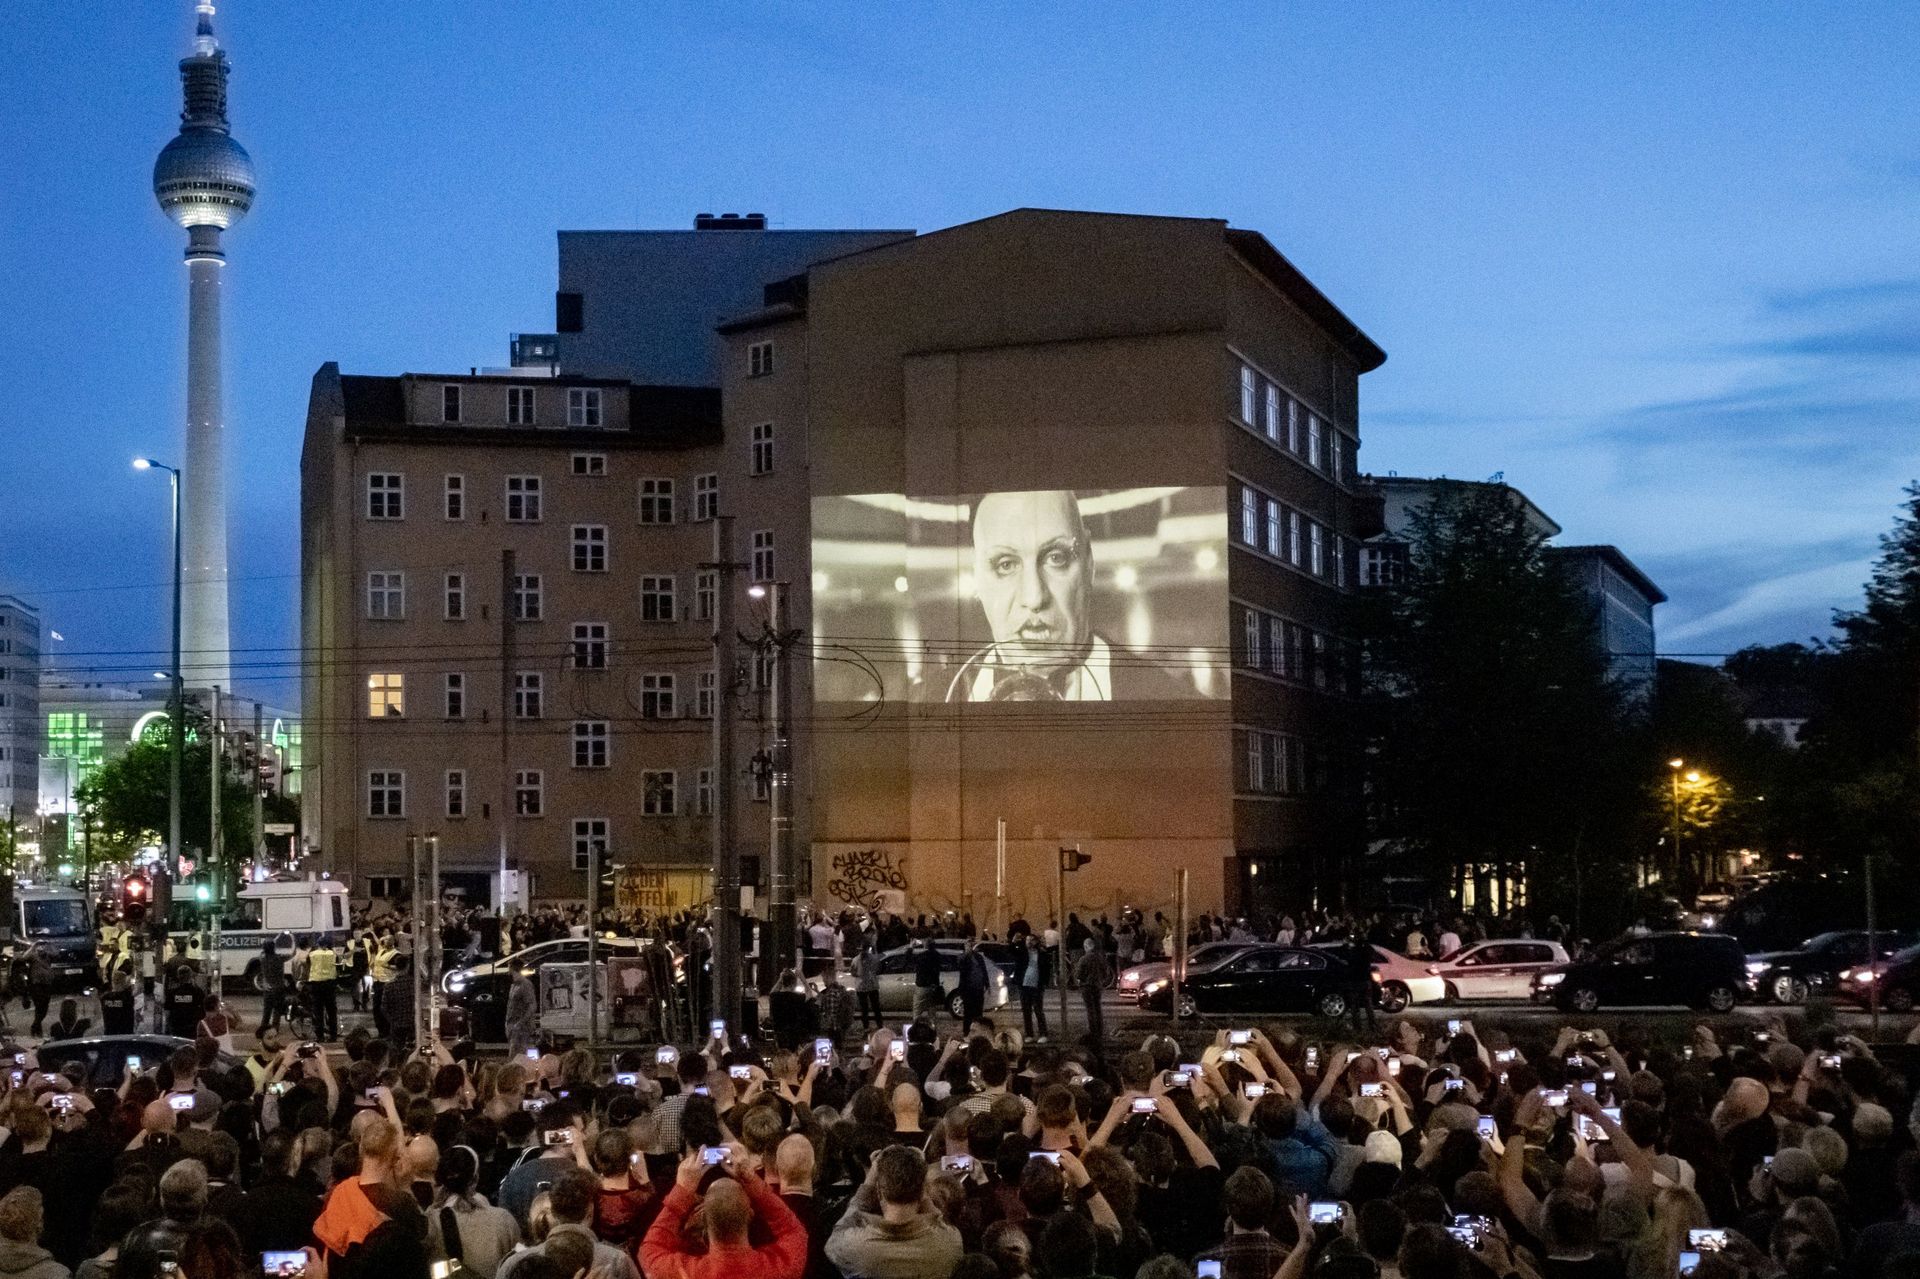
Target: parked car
{"points": [[1898, 977], [481, 990], [1260, 979], [1496, 969], [1700, 970], [105, 1056], [1403, 981], [1199, 959], [896, 979], [1815, 965]]}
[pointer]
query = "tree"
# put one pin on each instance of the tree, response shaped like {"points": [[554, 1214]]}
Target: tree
{"points": [[1497, 739]]}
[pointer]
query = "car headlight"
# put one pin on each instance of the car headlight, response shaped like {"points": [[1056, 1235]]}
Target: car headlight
{"points": [[1863, 974], [1757, 966], [456, 982], [1154, 987], [1551, 979], [1130, 978]]}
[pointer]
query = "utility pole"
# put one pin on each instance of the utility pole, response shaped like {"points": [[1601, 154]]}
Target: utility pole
{"points": [[1000, 873], [781, 923], [596, 857], [436, 959], [503, 795], [259, 801], [1177, 971], [1874, 968], [419, 924], [216, 841], [726, 848]]}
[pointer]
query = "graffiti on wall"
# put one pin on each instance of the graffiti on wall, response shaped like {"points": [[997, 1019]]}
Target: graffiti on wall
{"points": [[860, 874]]}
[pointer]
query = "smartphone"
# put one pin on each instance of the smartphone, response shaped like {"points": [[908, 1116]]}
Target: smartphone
{"points": [[1238, 1037], [1507, 1055], [1689, 1262], [19, 1078], [701, 1090], [63, 1102], [823, 1048], [742, 1073], [1590, 1088], [1179, 1079], [1079, 1081], [373, 1093], [48, 1078], [1556, 1098], [1830, 1061], [1206, 1269], [1051, 1156], [442, 1270], [133, 1063], [1230, 1056], [532, 1105], [897, 1050], [962, 1164], [1686, 1052], [1191, 1068], [666, 1055], [533, 1054], [1451, 1085], [713, 1154], [169, 1261], [1256, 1091], [1589, 1128], [308, 1049], [1324, 1212], [19, 1059], [283, 1265], [558, 1137], [1352, 1057], [278, 1088], [626, 1079], [1453, 1025], [181, 1101], [717, 1028], [1393, 1066], [1608, 1076], [1762, 1036], [1144, 1106], [1373, 1088], [1468, 1229], [1313, 1057], [1485, 1126], [1575, 1061], [1714, 1240]]}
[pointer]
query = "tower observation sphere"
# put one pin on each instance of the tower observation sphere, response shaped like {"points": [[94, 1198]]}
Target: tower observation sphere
{"points": [[203, 177]]}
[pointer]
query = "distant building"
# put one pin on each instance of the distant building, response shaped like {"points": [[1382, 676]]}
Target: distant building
{"points": [[1781, 713], [19, 709]]}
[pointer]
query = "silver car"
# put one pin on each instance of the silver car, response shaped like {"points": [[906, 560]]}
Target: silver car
{"points": [[896, 980]]}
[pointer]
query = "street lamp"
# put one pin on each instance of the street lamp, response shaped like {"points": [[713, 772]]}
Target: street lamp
{"points": [[1676, 765], [177, 702]]}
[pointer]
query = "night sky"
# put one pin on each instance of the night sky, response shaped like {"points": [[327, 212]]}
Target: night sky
{"points": [[1658, 264]]}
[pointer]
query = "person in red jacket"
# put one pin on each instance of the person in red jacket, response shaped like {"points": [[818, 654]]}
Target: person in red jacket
{"points": [[732, 1201]]}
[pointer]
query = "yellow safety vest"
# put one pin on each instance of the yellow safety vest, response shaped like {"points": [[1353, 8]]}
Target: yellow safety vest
{"points": [[321, 964], [383, 963]]}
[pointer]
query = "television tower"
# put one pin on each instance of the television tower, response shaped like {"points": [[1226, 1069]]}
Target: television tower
{"points": [[204, 182]]}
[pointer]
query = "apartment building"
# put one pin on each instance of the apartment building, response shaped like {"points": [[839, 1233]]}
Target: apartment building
{"points": [[19, 709]]}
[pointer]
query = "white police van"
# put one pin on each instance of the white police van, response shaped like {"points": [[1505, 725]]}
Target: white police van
{"points": [[279, 911]]}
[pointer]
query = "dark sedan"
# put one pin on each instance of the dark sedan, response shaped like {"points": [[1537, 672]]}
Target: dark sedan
{"points": [[1815, 965], [1262, 979], [105, 1056], [1897, 976]]}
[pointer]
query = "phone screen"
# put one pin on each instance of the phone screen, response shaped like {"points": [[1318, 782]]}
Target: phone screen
{"points": [[282, 1265], [717, 1028], [1051, 1156], [713, 1154], [666, 1056], [1707, 1240], [1372, 1088], [181, 1101], [897, 1050], [1689, 1262], [1485, 1126], [956, 1163], [1256, 1091], [627, 1079], [1206, 1269], [1143, 1106], [1324, 1212], [133, 1063], [1237, 1037], [823, 1048]]}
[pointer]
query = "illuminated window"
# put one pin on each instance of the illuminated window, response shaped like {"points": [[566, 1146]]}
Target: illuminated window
{"points": [[456, 695], [657, 696], [386, 695], [450, 402], [656, 501], [1249, 390], [590, 743], [589, 841], [523, 499], [386, 793], [527, 597], [657, 792], [1270, 411], [519, 406], [386, 495], [529, 694], [1317, 544], [761, 560], [706, 496], [589, 646], [703, 793], [456, 491], [1273, 529], [703, 695], [759, 359], [529, 792], [589, 548], [590, 464], [456, 597], [656, 598], [386, 596], [456, 792], [760, 449], [583, 406]]}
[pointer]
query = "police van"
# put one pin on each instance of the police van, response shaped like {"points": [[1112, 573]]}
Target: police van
{"points": [[280, 911], [57, 920]]}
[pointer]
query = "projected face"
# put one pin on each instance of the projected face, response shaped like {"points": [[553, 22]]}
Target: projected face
{"points": [[1032, 566]]}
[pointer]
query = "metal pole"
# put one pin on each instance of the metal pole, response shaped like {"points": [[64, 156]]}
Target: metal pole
{"points": [[437, 959], [178, 710], [1000, 873], [1873, 954], [596, 854], [259, 801], [1060, 869], [780, 907], [216, 841], [1177, 971], [726, 848], [504, 795], [1676, 824], [415, 925]]}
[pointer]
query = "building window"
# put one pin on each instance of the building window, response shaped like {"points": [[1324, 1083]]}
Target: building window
{"points": [[657, 792], [656, 598], [1249, 391], [1251, 659], [589, 646], [1337, 456], [529, 792], [1320, 670], [523, 499], [589, 841], [450, 402], [656, 501], [456, 792], [1293, 425], [386, 793], [384, 887], [456, 597], [1256, 761], [386, 495], [657, 696], [1293, 537], [703, 695], [456, 695], [386, 596], [1276, 645], [1249, 517], [1270, 411], [583, 406], [519, 406], [706, 586], [456, 492], [527, 597], [1297, 653], [529, 698], [760, 449], [1340, 561], [762, 557], [592, 465], [590, 743], [386, 695], [763, 658], [1313, 440], [589, 548], [703, 793], [706, 496], [762, 785], [1317, 549], [1273, 528], [759, 359]]}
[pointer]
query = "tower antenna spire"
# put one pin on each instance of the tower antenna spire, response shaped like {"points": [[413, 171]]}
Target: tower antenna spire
{"points": [[203, 38]]}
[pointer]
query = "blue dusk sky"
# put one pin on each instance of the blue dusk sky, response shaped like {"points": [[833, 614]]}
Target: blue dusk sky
{"points": [[1659, 264]]}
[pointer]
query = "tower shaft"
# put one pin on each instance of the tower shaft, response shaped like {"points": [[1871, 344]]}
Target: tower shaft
{"points": [[206, 637]]}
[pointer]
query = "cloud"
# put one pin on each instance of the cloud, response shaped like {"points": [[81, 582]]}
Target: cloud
{"points": [[1781, 604], [1865, 292], [1897, 338]]}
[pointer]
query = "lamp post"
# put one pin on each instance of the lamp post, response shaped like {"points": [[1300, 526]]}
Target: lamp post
{"points": [[177, 701], [1675, 765]]}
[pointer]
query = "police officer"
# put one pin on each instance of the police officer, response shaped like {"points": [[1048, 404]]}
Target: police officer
{"points": [[358, 960], [323, 969], [185, 1003], [384, 953]]}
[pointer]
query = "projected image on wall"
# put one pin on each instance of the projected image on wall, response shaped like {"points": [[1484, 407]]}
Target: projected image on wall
{"points": [[1038, 595]]}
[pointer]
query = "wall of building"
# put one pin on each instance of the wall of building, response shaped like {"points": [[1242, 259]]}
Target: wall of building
{"points": [[20, 647]]}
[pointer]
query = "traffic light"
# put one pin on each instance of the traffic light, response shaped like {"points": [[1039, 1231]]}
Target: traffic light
{"points": [[133, 900], [1072, 859]]}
